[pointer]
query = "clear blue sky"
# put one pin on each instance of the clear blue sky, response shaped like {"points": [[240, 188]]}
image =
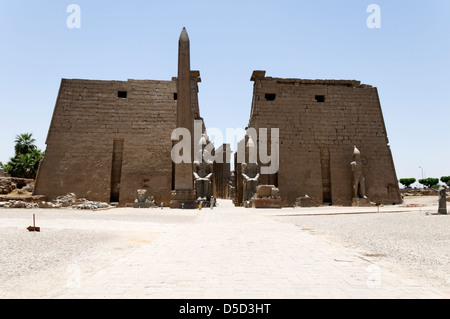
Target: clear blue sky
{"points": [[408, 59]]}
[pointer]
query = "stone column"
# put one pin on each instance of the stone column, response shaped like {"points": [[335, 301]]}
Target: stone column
{"points": [[184, 194]]}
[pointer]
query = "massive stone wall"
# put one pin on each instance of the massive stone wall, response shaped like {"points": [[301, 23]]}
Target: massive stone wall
{"points": [[109, 138], [320, 122]]}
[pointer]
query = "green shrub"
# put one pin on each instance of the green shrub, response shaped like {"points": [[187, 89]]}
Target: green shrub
{"points": [[407, 182], [429, 182], [25, 163], [446, 180]]}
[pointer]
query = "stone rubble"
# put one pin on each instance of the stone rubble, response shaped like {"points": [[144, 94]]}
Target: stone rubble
{"points": [[66, 201], [69, 200], [88, 205], [10, 184], [48, 205], [19, 204]]}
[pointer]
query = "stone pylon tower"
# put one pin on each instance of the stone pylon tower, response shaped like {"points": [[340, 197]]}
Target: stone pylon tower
{"points": [[184, 194]]}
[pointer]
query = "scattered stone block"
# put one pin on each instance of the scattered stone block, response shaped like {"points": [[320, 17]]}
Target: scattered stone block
{"points": [[361, 202], [142, 200], [304, 202], [267, 203], [67, 200], [20, 204], [264, 191], [88, 205], [267, 196], [143, 205]]}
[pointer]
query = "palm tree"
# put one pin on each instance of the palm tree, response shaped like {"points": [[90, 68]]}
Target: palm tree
{"points": [[36, 158], [25, 163], [24, 144], [25, 166]]}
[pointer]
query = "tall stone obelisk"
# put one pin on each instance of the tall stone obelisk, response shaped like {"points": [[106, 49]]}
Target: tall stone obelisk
{"points": [[184, 194]]}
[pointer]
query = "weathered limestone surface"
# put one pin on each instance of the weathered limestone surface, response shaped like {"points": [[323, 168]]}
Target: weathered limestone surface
{"points": [[183, 194], [320, 121], [89, 116]]}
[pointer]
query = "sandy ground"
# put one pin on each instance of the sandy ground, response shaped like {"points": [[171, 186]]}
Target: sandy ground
{"points": [[417, 240], [408, 239]]}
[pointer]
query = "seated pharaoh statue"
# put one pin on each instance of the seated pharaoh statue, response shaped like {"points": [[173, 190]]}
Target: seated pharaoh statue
{"points": [[203, 172], [250, 173]]}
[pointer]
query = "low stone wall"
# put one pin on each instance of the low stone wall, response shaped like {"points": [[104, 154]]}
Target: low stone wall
{"points": [[420, 192]]}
